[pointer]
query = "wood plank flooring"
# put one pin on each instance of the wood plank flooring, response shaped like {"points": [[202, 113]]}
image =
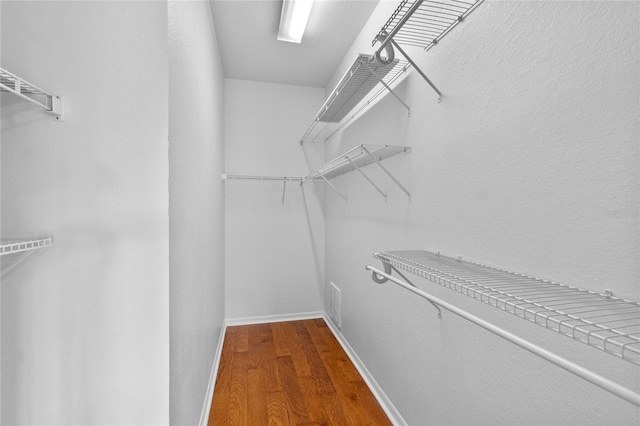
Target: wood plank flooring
{"points": [[290, 373]]}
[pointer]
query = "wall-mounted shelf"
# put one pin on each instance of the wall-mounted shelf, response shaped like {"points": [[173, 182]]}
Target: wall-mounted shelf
{"points": [[355, 159], [604, 322], [14, 252], [283, 179], [422, 23], [11, 83], [365, 79]]}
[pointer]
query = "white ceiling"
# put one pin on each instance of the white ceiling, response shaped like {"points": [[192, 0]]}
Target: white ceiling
{"points": [[247, 31]]}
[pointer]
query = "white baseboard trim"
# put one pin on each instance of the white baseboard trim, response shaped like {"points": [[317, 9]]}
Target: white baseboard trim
{"points": [[274, 318], [206, 407], [386, 404]]}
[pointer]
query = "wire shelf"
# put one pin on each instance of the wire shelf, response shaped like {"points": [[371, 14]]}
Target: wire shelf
{"points": [[607, 323], [257, 177], [14, 252], [11, 83], [422, 23], [363, 81], [360, 156]]}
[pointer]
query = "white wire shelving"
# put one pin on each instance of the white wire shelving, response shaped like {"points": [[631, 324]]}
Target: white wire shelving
{"points": [[14, 252], [354, 160], [11, 83], [359, 87], [422, 23], [601, 321], [283, 179]]}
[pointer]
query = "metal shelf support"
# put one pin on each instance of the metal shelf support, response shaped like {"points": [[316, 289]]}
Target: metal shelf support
{"points": [[387, 172], [355, 159]]}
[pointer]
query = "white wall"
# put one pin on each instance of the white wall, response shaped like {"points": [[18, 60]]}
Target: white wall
{"points": [[533, 147], [196, 205], [85, 324], [274, 251]]}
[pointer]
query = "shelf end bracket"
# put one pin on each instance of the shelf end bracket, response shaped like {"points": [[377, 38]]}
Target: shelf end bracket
{"points": [[417, 68], [388, 268]]}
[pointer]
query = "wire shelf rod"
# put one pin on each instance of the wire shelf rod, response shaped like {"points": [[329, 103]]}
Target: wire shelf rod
{"points": [[254, 177], [564, 363], [583, 315]]}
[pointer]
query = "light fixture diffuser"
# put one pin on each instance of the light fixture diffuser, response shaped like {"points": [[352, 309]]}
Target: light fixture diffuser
{"points": [[293, 20]]}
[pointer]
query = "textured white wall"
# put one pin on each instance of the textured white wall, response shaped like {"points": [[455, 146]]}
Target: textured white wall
{"points": [[85, 326], [196, 205], [274, 251], [529, 163]]}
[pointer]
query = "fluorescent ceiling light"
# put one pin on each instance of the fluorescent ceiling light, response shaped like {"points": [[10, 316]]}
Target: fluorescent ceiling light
{"points": [[293, 20]]}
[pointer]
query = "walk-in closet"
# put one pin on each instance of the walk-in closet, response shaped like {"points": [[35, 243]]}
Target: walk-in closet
{"points": [[337, 212]]}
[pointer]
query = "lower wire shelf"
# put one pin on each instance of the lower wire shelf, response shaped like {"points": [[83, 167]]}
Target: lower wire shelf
{"points": [[14, 252], [604, 322]]}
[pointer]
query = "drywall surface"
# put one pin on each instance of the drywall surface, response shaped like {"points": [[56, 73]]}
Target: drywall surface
{"points": [[85, 325], [529, 163], [196, 205], [274, 249]]}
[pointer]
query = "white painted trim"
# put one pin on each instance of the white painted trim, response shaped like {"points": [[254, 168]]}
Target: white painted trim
{"points": [[383, 399], [274, 318], [206, 407]]}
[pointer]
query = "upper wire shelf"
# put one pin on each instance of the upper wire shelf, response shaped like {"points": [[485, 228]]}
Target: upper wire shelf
{"points": [[604, 322], [14, 252], [11, 83], [422, 23], [365, 79]]}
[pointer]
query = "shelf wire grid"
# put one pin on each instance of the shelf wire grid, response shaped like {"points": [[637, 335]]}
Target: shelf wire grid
{"points": [[355, 158], [14, 252], [422, 23], [12, 83], [357, 89], [607, 323]]}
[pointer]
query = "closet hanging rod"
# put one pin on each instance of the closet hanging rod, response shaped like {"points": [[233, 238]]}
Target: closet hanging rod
{"points": [[590, 376], [253, 177]]}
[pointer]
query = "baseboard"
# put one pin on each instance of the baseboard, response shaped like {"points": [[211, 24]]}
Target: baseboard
{"points": [[206, 407], [274, 318], [386, 404]]}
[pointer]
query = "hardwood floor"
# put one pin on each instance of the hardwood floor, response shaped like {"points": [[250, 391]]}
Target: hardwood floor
{"points": [[290, 373]]}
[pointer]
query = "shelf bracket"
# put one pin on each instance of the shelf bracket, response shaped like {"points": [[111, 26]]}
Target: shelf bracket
{"points": [[386, 86], [284, 189], [387, 172], [334, 188], [380, 279], [417, 68], [366, 177]]}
